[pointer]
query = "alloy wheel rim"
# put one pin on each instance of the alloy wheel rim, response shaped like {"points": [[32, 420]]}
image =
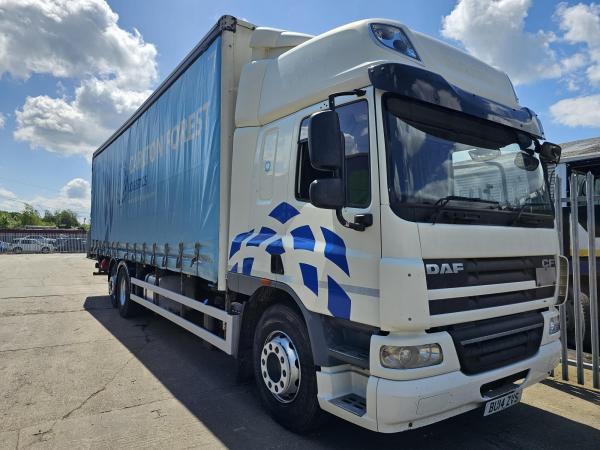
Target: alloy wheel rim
{"points": [[280, 367], [122, 291]]}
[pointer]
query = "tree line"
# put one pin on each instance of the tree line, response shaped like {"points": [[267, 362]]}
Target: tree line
{"points": [[64, 218]]}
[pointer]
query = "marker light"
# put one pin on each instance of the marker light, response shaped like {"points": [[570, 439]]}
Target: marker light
{"points": [[410, 357], [394, 38]]}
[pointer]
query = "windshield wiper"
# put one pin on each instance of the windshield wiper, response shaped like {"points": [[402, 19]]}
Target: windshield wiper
{"points": [[441, 203], [521, 210], [527, 202]]}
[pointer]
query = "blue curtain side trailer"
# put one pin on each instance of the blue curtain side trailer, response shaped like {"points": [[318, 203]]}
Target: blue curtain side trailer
{"points": [[160, 183]]}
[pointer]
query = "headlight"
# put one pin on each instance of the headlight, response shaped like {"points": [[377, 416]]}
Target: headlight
{"points": [[394, 38], [554, 325], [410, 357]]}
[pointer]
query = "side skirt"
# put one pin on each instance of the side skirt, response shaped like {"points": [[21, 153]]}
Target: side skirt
{"points": [[231, 322]]}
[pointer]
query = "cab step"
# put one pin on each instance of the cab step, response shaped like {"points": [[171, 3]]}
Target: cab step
{"points": [[352, 403]]}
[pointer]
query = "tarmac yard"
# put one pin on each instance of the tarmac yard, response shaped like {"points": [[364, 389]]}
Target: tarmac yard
{"points": [[74, 374]]}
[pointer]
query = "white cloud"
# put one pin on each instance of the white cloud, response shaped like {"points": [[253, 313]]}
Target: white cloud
{"points": [[65, 38], [574, 62], [581, 25], [80, 40], [75, 195], [494, 32], [77, 188], [9, 200], [578, 111], [2, 121], [77, 126]]}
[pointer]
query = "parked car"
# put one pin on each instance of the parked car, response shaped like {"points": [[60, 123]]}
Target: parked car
{"points": [[70, 244], [30, 245], [41, 239], [4, 246]]}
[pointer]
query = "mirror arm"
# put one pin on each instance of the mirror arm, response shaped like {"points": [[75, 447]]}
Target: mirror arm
{"points": [[357, 92]]}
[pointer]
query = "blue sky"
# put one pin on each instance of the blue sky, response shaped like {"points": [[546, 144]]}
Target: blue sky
{"points": [[63, 92]]}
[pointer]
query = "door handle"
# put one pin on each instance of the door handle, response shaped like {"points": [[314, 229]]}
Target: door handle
{"points": [[365, 220]]}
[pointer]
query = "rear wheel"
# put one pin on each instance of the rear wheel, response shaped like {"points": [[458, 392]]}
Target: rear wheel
{"points": [[284, 370], [45, 250], [112, 286], [127, 307]]}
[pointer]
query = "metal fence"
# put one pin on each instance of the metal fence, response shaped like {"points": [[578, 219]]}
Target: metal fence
{"points": [[42, 241], [583, 271]]}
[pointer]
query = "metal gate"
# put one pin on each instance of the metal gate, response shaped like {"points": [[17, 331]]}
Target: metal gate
{"points": [[581, 196], [42, 241]]}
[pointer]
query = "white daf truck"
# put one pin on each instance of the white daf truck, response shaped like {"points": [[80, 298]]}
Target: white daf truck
{"points": [[360, 217]]}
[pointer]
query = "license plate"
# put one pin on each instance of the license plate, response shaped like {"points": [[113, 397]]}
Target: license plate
{"points": [[500, 403]]}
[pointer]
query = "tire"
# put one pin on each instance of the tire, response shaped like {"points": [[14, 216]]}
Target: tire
{"points": [[570, 305], [112, 286], [587, 327], [281, 340], [127, 307], [45, 250], [17, 250]]}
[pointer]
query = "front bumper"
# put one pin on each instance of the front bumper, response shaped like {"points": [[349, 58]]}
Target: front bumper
{"points": [[398, 405]]}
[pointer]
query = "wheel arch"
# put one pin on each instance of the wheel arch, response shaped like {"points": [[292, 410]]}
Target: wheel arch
{"points": [[256, 298]]}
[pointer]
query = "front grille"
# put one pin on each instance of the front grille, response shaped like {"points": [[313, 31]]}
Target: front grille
{"points": [[482, 271], [492, 343], [454, 305]]}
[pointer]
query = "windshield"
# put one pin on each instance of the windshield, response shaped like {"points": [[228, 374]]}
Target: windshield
{"points": [[441, 162]]}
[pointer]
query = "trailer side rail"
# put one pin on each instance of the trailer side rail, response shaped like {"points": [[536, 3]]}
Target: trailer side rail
{"points": [[231, 322]]}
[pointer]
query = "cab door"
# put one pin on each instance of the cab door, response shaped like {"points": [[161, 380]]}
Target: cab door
{"points": [[334, 269]]}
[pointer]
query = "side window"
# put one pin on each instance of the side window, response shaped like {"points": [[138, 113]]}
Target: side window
{"points": [[354, 124], [305, 172]]}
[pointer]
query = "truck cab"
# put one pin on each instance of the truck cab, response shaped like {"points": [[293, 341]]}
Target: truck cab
{"points": [[424, 257]]}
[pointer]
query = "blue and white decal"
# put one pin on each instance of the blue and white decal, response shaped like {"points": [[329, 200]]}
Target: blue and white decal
{"points": [[301, 240]]}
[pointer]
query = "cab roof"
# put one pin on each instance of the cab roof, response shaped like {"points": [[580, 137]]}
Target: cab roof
{"points": [[338, 60]]}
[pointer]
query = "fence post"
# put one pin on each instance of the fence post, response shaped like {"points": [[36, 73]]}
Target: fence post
{"points": [[562, 308], [576, 277], [591, 228]]}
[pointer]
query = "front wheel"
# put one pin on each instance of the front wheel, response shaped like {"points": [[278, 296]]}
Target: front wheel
{"points": [[45, 250], [584, 308], [17, 250], [284, 370]]}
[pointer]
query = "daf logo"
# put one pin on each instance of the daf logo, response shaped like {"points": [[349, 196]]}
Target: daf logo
{"points": [[445, 268]]}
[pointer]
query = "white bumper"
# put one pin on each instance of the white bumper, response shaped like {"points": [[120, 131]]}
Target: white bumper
{"points": [[398, 405], [410, 404]]}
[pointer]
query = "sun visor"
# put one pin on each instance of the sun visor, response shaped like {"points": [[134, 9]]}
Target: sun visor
{"points": [[426, 86]]}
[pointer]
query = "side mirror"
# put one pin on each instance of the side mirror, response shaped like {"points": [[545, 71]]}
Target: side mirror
{"points": [[325, 144], [526, 162], [327, 193], [550, 153]]}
